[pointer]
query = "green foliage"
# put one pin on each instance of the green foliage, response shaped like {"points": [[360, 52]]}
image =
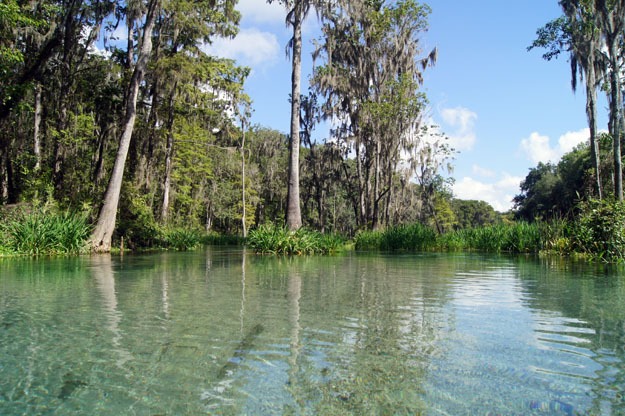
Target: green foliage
{"points": [[273, 239], [473, 214], [368, 240], [217, 239], [379, 42], [556, 236], [136, 223], [46, 233], [454, 240], [415, 237], [181, 238], [600, 230], [512, 238], [552, 191]]}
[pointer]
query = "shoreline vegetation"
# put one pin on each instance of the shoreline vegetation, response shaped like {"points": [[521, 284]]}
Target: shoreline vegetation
{"points": [[597, 233], [148, 144]]}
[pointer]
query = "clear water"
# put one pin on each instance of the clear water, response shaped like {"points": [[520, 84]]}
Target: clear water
{"points": [[222, 331]]}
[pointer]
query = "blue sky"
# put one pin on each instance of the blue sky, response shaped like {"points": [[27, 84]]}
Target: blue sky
{"points": [[504, 108]]}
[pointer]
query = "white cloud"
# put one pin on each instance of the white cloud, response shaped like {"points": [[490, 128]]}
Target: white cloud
{"points": [[570, 139], [250, 47], [261, 12], [462, 123], [537, 147], [480, 171], [498, 194]]}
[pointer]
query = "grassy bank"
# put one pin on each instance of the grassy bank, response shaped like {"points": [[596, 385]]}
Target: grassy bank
{"points": [[511, 238], [273, 239], [44, 233], [597, 233]]}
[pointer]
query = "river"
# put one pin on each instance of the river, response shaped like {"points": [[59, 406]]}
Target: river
{"points": [[225, 331]]}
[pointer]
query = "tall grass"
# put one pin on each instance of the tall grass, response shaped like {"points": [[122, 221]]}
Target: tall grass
{"points": [[513, 238], [181, 238], [46, 233], [414, 237], [273, 239], [368, 240]]}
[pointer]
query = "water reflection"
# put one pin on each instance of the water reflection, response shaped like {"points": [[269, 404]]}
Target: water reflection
{"points": [[228, 332], [580, 318], [102, 271], [294, 293]]}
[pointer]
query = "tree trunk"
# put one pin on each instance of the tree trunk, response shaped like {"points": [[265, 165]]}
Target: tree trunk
{"points": [[169, 154], [375, 215], [4, 173], [243, 219], [616, 104], [103, 232], [98, 170], [59, 146], [167, 182], [362, 212], [293, 210], [591, 113], [36, 126]]}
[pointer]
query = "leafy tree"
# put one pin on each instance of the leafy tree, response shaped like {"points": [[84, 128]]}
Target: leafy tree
{"points": [[297, 10], [554, 191], [370, 81], [105, 226], [592, 32], [179, 68], [269, 150], [473, 214], [611, 19], [576, 33], [537, 198]]}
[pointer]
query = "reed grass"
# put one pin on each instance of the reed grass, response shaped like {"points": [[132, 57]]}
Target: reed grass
{"points": [[512, 238], [47, 233], [273, 239], [414, 237], [181, 238], [368, 240]]}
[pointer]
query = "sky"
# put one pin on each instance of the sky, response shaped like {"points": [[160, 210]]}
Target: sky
{"points": [[504, 108]]}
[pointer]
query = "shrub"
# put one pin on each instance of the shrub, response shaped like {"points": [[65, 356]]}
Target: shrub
{"points": [[415, 237], [556, 236], [181, 238], [521, 238], [453, 241], [600, 230], [136, 223], [42, 232], [512, 238], [368, 240], [280, 240]]}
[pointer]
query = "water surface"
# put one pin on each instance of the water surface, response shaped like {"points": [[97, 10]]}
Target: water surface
{"points": [[222, 331]]}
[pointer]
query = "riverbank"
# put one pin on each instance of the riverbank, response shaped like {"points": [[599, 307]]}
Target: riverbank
{"points": [[597, 233]]}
